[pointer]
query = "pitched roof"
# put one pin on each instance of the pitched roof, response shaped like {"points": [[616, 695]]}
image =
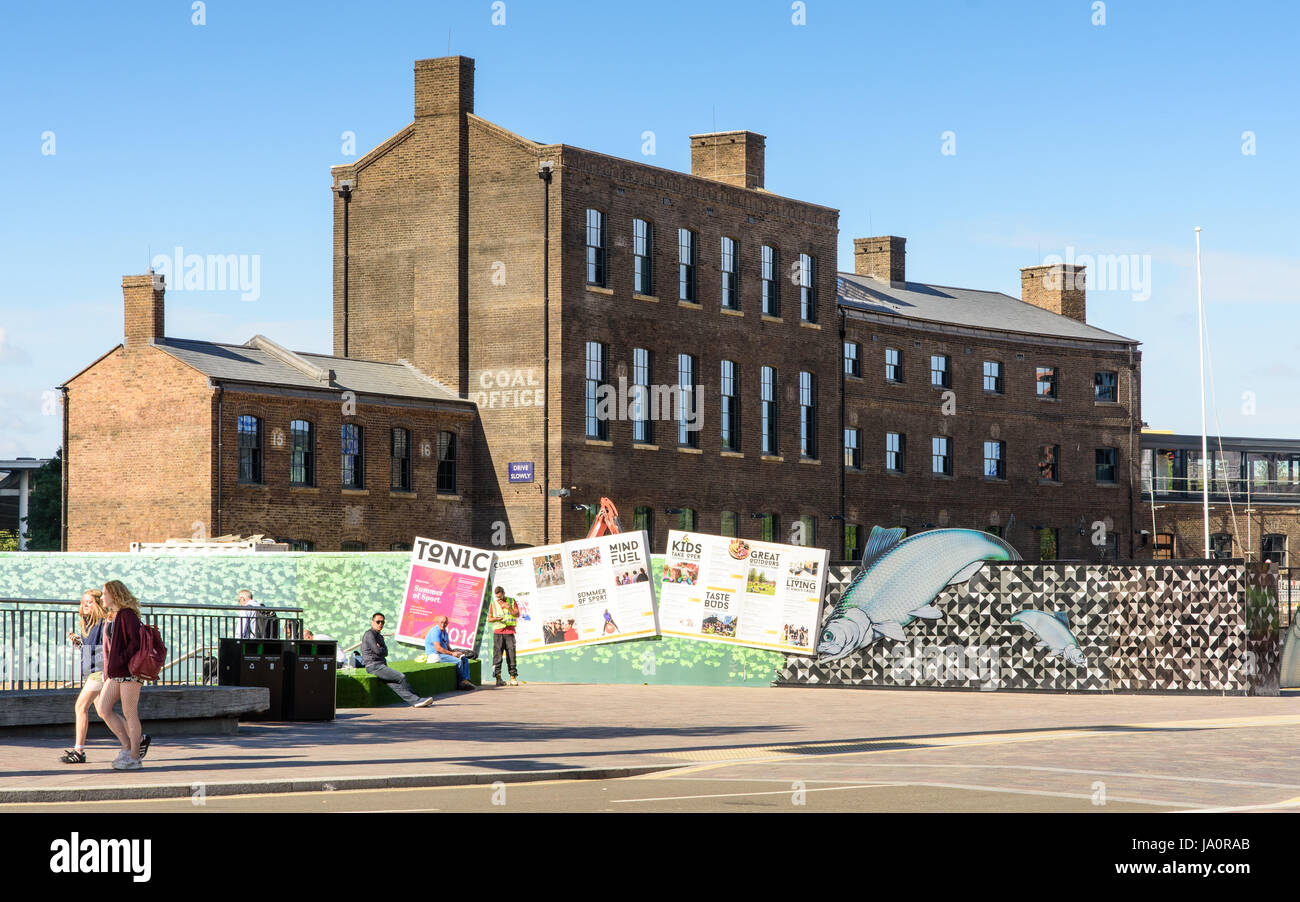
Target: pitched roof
{"points": [[263, 362], [964, 307]]}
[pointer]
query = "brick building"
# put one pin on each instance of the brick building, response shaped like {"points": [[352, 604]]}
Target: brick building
{"points": [[659, 279], [1254, 497], [172, 438]]}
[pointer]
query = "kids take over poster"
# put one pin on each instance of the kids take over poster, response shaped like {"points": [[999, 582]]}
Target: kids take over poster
{"points": [[584, 592], [742, 592], [445, 579]]}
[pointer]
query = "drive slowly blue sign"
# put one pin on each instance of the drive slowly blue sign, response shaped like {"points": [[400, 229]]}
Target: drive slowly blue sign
{"points": [[521, 471]]}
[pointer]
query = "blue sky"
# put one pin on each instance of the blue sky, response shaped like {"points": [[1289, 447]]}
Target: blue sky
{"points": [[1112, 139]]}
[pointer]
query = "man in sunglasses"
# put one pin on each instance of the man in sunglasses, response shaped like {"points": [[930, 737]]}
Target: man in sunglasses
{"points": [[374, 654]]}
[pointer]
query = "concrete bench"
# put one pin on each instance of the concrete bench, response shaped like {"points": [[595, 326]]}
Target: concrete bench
{"points": [[164, 710], [358, 689]]}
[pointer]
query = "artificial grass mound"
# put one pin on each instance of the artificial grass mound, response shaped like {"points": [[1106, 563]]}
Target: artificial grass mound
{"points": [[358, 689]]}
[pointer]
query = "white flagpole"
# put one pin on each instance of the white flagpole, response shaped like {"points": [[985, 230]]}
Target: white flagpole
{"points": [[1205, 454]]}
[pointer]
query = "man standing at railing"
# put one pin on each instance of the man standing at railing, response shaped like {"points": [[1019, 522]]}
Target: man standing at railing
{"points": [[247, 617]]}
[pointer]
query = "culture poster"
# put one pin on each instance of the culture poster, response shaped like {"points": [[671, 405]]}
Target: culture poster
{"points": [[742, 592], [583, 592], [445, 579]]}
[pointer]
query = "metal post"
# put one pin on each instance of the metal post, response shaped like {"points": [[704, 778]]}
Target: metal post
{"points": [[24, 486]]}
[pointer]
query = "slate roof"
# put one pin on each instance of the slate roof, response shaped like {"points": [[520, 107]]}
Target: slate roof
{"points": [[241, 363], [964, 307]]}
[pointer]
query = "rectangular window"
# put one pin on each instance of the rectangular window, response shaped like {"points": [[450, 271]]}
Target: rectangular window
{"points": [[728, 524], [353, 546], [686, 520], [1107, 464], [993, 377], [302, 465], [688, 418], [807, 531], [643, 261], [769, 526], [596, 248], [643, 518], [767, 388], [894, 448], [1106, 386], [771, 281], [940, 375], [852, 449], [1164, 546], [730, 407], [686, 265], [1049, 463], [941, 456], [250, 449], [808, 288], [1220, 546], [852, 363], [399, 546], [893, 365], [300, 545], [642, 371], [995, 466], [1273, 548], [446, 463], [400, 460], [1047, 376], [851, 547], [597, 419], [807, 415], [1049, 543], [730, 275], [353, 448]]}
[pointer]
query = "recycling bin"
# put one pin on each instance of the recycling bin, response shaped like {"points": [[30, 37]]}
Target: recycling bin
{"points": [[311, 688], [256, 662]]}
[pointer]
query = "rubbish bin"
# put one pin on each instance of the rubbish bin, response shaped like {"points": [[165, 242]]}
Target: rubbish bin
{"points": [[311, 693], [256, 662]]}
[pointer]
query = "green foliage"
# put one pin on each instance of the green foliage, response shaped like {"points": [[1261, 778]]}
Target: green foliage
{"points": [[1262, 618], [8, 540], [45, 507], [358, 689]]}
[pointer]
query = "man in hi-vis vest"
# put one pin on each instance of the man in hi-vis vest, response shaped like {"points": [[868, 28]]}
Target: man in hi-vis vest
{"points": [[503, 614]]}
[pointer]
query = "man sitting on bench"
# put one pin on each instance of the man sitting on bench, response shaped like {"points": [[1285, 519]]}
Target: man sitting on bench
{"points": [[374, 654], [437, 647]]}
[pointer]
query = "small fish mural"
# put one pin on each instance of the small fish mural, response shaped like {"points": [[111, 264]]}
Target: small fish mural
{"points": [[899, 580], [1053, 632]]}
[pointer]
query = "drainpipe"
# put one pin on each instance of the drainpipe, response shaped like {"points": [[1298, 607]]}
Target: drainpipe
{"points": [[63, 516], [345, 192], [844, 523], [220, 432], [544, 171]]}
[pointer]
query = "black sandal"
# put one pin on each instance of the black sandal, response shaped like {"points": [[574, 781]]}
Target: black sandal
{"points": [[144, 746], [72, 756]]}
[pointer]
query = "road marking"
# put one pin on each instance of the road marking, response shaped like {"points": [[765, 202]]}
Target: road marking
{"points": [[1287, 803], [774, 792]]}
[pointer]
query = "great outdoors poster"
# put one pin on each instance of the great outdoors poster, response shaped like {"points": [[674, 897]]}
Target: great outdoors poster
{"points": [[742, 592], [583, 592], [445, 579]]}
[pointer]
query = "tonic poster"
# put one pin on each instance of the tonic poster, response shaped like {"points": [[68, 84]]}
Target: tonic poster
{"points": [[742, 592], [445, 579], [584, 592]]}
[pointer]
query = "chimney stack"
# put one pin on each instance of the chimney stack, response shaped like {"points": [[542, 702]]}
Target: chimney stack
{"points": [[142, 305], [732, 157], [444, 86], [1056, 287], [882, 258]]}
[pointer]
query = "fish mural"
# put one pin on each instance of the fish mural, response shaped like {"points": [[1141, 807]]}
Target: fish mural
{"points": [[1053, 632], [899, 580]]}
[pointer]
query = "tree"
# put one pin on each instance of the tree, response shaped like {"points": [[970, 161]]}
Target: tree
{"points": [[45, 507]]}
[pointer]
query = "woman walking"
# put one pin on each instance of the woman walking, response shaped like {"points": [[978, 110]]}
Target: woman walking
{"points": [[123, 642], [91, 642]]}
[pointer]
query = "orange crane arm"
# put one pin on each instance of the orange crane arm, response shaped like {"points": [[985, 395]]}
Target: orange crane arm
{"points": [[606, 520]]}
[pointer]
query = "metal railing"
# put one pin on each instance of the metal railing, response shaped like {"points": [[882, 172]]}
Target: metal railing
{"points": [[1220, 487], [36, 651]]}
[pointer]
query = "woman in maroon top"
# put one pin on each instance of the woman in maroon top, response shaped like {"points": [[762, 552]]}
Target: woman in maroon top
{"points": [[122, 644]]}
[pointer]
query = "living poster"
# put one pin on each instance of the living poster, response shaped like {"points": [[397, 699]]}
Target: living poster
{"points": [[742, 592], [584, 592], [444, 579]]}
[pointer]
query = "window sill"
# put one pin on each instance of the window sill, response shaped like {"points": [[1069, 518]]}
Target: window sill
{"points": [[355, 491], [1001, 479], [989, 393], [402, 493], [803, 323], [771, 319], [889, 381], [810, 460], [690, 304], [852, 377], [649, 298], [441, 497], [600, 289], [941, 387], [897, 474], [1107, 485], [304, 489], [1048, 398], [944, 476], [252, 485], [775, 458], [599, 443], [1105, 404], [727, 311], [686, 450], [644, 447], [1050, 482], [733, 454]]}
